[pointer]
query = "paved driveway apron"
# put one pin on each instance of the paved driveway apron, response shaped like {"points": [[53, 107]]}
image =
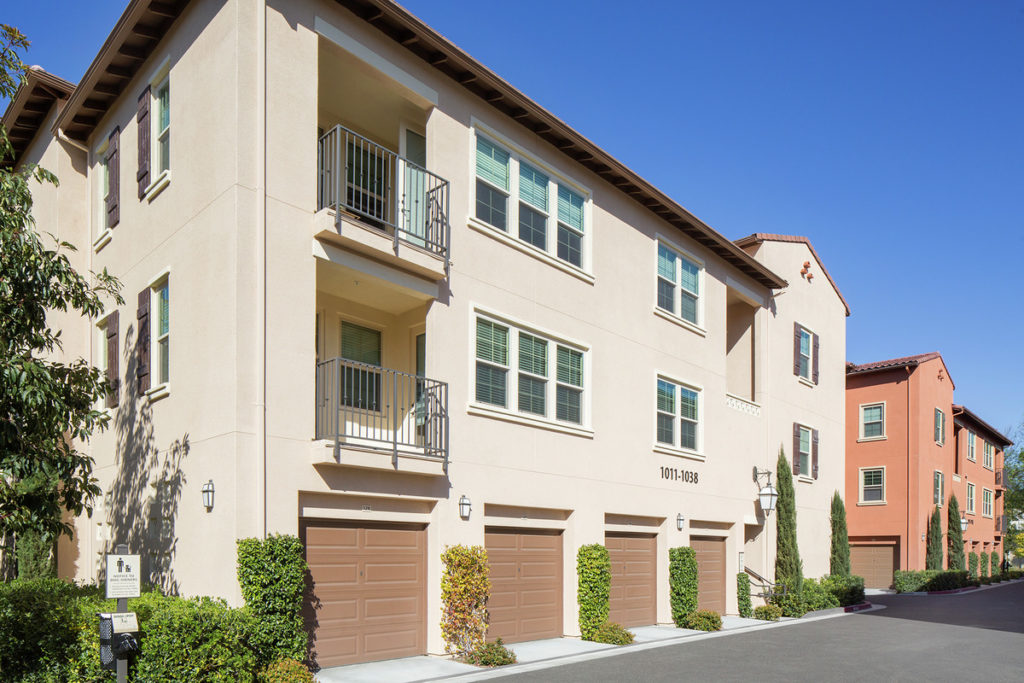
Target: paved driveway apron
{"points": [[969, 637]]}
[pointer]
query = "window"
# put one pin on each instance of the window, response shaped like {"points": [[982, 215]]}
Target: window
{"points": [[805, 354], [162, 330], [970, 447], [872, 421], [938, 489], [872, 485], [678, 280], [940, 427], [678, 406], [986, 503], [103, 192], [539, 360], [804, 357], [970, 498], [988, 455], [162, 125], [547, 215], [360, 383], [804, 451]]}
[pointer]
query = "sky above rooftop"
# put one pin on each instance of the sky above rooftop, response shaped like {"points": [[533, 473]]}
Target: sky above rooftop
{"points": [[888, 133]]}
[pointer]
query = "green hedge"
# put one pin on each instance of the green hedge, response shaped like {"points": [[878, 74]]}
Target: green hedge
{"points": [[272, 575], [743, 594], [703, 620], [909, 581], [848, 590], [817, 597], [767, 612], [465, 589], [983, 565], [37, 626], [682, 579], [612, 634], [972, 564], [826, 593], [996, 569], [594, 573], [791, 602]]}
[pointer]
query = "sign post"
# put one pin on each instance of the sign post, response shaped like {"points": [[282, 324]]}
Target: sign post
{"points": [[123, 582]]}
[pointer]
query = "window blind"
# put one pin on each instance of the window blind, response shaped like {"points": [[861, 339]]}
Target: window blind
{"points": [[666, 263], [688, 403], [570, 208], [688, 273], [492, 163], [533, 187], [533, 355], [164, 323], [570, 366], [360, 344], [491, 342]]}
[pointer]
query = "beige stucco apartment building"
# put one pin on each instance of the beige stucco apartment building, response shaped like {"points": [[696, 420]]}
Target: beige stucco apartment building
{"points": [[378, 298]]}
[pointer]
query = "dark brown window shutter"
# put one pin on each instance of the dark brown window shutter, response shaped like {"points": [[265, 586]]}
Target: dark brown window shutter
{"points": [[113, 372], [796, 444], [142, 120], [114, 169], [814, 370], [142, 372], [814, 454], [796, 349]]}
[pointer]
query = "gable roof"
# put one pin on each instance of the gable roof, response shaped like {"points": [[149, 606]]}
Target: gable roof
{"points": [[759, 237], [903, 362], [967, 415], [27, 111]]}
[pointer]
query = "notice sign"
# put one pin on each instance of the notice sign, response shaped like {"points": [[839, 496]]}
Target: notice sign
{"points": [[123, 576], [124, 622]]}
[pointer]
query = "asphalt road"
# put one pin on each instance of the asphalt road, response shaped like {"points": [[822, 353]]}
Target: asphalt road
{"points": [[968, 637]]}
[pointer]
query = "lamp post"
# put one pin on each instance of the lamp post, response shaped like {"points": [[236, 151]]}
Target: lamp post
{"points": [[767, 495]]}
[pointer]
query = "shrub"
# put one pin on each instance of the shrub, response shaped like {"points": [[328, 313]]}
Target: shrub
{"points": [[983, 565], [201, 640], [682, 579], [788, 567], [789, 601], [285, 671], [933, 553], [743, 594], [594, 571], [995, 562], [36, 556], [704, 620], [613, 634], [767, 612], [954, 537], [930, 580], [816, 597], [947, 581], [972, 564], [272, 575], [38, 623], [491, 654], [465, 589], [839, 560], [985, 580], [848, 590]]}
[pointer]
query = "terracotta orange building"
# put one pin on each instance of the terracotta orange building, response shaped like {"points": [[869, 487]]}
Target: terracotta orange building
{"points": [[908, 449]]}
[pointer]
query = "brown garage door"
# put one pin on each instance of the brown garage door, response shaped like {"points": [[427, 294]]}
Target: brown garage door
{"points": [[369, 590], [875, 563], [634, 574], [526, 584], [710, 572]]}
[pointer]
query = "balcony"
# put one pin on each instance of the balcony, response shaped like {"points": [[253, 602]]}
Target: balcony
{"points": [[363, 407], [1001, 526], [999, 479], [383, 191]]}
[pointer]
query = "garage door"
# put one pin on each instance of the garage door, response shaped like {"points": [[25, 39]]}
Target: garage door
{"points": [[634, 575], [875, 563], [368, 597], [526, 584], [710, 573]]}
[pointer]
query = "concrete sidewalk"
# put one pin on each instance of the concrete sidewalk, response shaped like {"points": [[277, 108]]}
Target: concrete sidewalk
{"points": [[543, 654]]}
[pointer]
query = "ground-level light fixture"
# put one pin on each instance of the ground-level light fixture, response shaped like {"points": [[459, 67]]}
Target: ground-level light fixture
{"points": [[208, 491], [767, 495], [464, 507], [680, 520], [963, 523]]}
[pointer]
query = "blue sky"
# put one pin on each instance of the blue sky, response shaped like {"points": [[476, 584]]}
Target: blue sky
{"points": [[888, 132]]}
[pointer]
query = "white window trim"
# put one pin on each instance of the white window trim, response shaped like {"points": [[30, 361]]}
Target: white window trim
{"points": [[991, 499], [972, 453], [510, 412], [942, 488], [809, 477], [698, 327], [942, 430], [883, 436], [988, 455], [158, 180], [100, 356], [971, 493], [511, 235], [860, 486], [809, 381], [102, 232], [658, 447], [157, 390]]}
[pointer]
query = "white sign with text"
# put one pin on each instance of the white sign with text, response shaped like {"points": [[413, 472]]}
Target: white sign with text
{"points": [[124, 576]]}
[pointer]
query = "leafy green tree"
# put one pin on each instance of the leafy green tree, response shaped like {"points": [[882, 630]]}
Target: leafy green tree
{"points": [[47, 408], [839, 562], [933, 556], [954, 537], [1013, 497], [788, 567]]}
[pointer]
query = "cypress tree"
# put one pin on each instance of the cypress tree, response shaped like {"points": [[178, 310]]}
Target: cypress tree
{"points": [[839, 562], [933, 558], [954, 537], [788, 567]]}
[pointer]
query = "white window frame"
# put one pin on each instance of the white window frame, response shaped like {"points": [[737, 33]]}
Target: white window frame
{"points": [[971, 452], [988, 454], [940, 419], [102, 234], [861, 486], [878, 437], [675, 448], [939, 488], [510, 235], [810, 451], [971, 493], [158, 179], [510, 411], [680, 252], [987, 503], [102, 351], [158, 389]]}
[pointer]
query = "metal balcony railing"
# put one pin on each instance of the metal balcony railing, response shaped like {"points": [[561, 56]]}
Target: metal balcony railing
{"points": [[1001, 526], [386, 190], [370, 407]]}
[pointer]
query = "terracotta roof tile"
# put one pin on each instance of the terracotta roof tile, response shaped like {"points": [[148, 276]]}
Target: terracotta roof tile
{"points": [[963, 411], [853, 368]]}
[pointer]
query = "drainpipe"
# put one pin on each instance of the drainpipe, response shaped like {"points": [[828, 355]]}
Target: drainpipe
{"points": [[907, 549], [261, 282]]}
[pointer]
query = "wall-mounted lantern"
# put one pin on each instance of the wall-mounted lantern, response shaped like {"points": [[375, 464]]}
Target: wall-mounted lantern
{"points": [[963, 523], [464, 507], [767, 495], [208, 495], [680, 521]]}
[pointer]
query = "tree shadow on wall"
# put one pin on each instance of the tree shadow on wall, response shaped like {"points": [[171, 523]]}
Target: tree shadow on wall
{"points": [[143, 498]]}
